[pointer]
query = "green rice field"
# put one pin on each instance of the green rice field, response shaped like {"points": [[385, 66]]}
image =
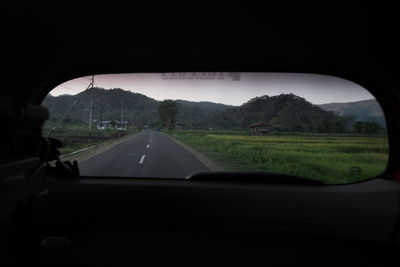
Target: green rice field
{"points": [[331, 159]]}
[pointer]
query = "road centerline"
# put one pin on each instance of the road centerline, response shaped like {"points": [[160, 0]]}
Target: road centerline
{"points": [[167, 160], [142, 159]]}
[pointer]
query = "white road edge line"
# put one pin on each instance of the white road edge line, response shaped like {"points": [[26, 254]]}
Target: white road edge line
{"points": [[78, 151], [142, 159]]}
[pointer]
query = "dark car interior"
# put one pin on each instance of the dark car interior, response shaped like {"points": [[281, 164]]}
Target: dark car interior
{"points": [[53, 216]]}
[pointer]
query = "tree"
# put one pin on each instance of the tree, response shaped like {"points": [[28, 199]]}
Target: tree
{"points": [[298, 128], [167, 110], [337, 127], [323, 127], [372, 128], [358, 127], [367, 127]]}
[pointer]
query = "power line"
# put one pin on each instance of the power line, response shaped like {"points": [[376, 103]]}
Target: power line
{"points": [[73, 89], [66, 113], [70, 108]]}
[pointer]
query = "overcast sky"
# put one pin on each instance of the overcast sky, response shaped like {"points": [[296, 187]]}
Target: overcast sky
{"points": [[226, 88]]}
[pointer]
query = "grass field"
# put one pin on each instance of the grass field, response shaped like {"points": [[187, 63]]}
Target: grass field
{"points": [[331, 159]]}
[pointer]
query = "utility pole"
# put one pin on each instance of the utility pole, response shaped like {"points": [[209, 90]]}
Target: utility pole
{"points": [[122, 112], [91, 113], [91, 106], [101, 113]]}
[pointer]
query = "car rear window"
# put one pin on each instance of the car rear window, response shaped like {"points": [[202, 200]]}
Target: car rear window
{"points": [[172, 125]]}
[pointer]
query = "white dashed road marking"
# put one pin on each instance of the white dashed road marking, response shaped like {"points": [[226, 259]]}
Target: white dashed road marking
{"points": [[142, 159], [148, 146]]}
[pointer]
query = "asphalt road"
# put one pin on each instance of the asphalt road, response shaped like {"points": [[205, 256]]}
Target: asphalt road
{"points": [[147, 154]]}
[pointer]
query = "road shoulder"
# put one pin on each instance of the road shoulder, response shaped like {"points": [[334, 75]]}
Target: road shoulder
{"points": [[210, 164]]}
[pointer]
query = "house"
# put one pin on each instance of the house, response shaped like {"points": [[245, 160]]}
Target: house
{"points": [[101, 125], [260, 128], [121, 125], [118, 125]]}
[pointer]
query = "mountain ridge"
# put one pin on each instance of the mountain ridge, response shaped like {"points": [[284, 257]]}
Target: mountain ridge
{"points": [[283, 112], [363, 110]]}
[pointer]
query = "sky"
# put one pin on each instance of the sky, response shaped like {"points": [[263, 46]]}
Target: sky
{"points": [[224, 87]]}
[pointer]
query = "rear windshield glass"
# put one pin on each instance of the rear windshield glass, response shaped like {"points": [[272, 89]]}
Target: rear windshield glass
{"points": [[172, 125]]}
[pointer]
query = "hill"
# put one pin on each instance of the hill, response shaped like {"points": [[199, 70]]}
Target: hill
{"points": [[366, 110], [137, 108], [197, 114], [284, 112]]}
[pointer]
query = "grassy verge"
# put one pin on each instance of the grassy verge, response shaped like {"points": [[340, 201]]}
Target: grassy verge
{"points": [[75, 136], [331, 159], [100, 148]]}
